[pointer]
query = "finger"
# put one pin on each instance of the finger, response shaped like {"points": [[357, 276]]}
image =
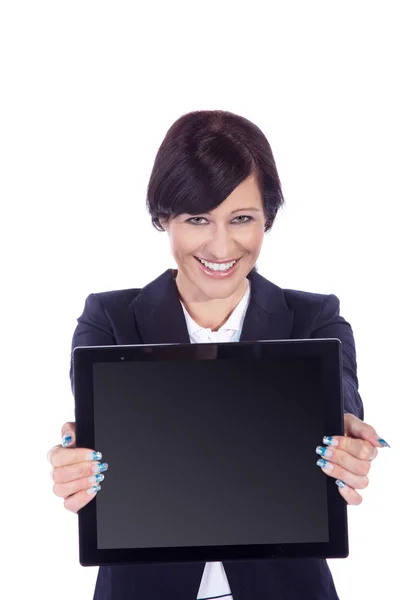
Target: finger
{"points": [[348, 493], [358, 482], [68, 439], [344, 459], [356, 428], [60, 457], [358, 448], [51, 452], [77, 471], [77, 501], [68, 435], [64, 490]]}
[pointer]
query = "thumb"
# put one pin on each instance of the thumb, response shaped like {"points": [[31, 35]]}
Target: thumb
{"points": [[356, 428], [68, 435]]}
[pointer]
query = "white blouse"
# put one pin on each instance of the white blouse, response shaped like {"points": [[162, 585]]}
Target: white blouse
{"points": [[214, 581]]}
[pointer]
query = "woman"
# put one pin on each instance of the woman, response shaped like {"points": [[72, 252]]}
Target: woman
{"points": [[215, 189]]}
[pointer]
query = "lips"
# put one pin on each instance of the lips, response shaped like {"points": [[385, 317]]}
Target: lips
{"points": [[218, 273], [217, 262]]}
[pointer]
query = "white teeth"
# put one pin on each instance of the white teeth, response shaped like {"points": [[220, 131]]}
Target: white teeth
{"points": [[217, 267]]}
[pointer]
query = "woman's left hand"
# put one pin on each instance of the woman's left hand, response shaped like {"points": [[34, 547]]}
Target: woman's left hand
{"points": [[348, 458]]}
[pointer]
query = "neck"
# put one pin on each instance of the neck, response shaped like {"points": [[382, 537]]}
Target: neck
{"points": [[211, 313]]}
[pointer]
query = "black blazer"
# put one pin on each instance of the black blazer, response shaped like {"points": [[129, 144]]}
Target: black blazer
{"points": [[153, 315]]}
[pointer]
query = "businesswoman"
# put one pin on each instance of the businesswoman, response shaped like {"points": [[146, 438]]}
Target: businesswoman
{"points": [[215, 190]]}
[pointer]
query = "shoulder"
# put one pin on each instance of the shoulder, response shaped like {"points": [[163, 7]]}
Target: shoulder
{"points": [[313, 309], [111, 302], [124, 298], [300, 299], [272, 298], [121, 297]]}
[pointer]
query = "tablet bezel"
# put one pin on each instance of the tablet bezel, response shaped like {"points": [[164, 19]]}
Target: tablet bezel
{"points": [[329, 350]]}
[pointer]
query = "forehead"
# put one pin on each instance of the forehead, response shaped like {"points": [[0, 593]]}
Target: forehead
{"points": [[246, 195]]}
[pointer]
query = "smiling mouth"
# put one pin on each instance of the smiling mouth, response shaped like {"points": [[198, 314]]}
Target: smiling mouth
{"points": [[218, 266]]}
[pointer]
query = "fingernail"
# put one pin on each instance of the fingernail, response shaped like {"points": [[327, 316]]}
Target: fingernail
{"points": [[330, 441], [67, 440], [323, 451], [340, 483], [382, 441], [94, 456], [324, 464], [94, 489], [100, 468], [96, 478]]}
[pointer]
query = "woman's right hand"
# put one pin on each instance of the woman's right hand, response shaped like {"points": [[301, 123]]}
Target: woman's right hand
{"points": [[77, 472]]}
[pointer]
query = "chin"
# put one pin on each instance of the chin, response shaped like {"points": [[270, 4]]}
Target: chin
{"points": [[219, 288]]}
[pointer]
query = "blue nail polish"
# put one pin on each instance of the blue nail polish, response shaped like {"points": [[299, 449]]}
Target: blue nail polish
{"points": [[340, 483], [382, 441], [321, 450], [99, 477], [324, 464], [103, 467], [67, 440], [97, 455], [329, 441]]}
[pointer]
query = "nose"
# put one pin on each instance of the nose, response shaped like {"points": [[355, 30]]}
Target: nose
{"points": [[221, 245]]}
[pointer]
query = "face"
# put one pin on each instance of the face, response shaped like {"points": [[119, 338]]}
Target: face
{"points": [[215, 251]]}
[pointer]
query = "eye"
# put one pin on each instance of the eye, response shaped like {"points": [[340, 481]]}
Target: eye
{"points": [[243, 219], [195, 220]]}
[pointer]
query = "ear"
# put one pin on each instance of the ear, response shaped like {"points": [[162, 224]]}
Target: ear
{"points": [[164, 224], [160, 223]]}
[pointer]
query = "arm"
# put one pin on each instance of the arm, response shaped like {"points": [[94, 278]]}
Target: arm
{"points": [[330, 324], [93, 329]]}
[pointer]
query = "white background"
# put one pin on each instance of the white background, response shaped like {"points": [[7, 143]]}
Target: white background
{"points": [[88, 91]]}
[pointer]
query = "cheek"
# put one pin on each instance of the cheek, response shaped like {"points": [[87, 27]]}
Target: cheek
{"points": [[181, 246], [253, 241]]}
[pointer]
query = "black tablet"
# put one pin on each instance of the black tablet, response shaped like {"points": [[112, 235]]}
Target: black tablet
{"points": [[211, 451]]}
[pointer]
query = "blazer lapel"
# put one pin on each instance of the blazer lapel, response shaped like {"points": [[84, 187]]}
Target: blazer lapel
{"points": [[268, 316], [160, 317], [159, 314]]}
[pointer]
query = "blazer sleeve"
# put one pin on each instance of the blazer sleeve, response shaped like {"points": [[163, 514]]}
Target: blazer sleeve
{"points": [[331, 325], [93, 329]]}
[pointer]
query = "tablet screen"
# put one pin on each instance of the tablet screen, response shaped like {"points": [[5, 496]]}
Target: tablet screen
{"points": [[210, 452]]}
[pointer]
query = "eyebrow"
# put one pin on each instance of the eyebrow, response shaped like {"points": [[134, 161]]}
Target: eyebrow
{"points": [[246, 209], [249, 208]]}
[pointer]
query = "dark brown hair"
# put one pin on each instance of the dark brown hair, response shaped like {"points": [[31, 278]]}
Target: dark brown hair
{"points": [[204, 156]]}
